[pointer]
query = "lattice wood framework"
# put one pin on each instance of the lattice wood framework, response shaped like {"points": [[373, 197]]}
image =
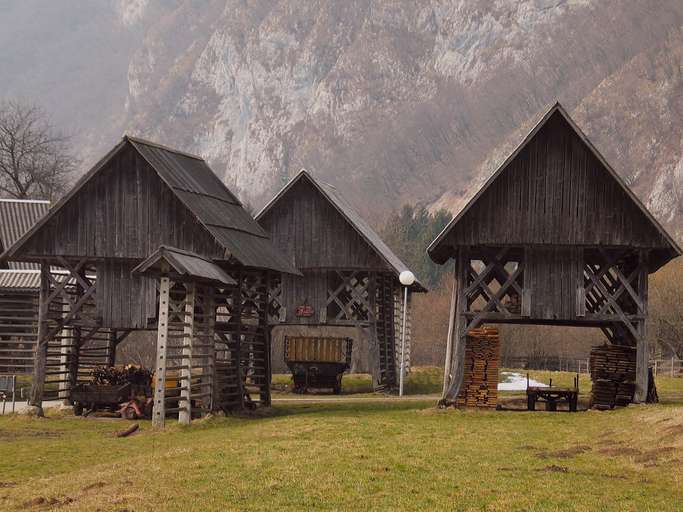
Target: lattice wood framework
{"points": [[213, 344], [186, 349], [365, 299], [598, 287], [70, 338]]}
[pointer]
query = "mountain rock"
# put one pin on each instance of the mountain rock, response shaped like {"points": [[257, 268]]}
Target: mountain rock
{"points": [[392, 102]]}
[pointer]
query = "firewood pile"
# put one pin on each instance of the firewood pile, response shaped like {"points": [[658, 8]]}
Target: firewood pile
{"points": [[116, 376], [613, 372], [480, 384]]}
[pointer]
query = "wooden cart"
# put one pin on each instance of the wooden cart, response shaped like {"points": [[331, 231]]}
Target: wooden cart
{"points": [[552, 396], [317, 362]]}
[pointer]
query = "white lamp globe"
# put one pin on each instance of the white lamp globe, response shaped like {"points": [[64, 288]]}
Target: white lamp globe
{"points": [[407, 278]]}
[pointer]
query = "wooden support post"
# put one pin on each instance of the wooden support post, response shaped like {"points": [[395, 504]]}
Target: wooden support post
{"points": [[159, 408], [66, 352], [451, 327], [210, 319], [40, 361], [642, 349], [112, 341], [185, 405], [268, 371], [457, 370], [74, 360], [373, 341]]}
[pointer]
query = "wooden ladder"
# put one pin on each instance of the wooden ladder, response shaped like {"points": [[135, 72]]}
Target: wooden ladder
{"points": [[384, 327]]}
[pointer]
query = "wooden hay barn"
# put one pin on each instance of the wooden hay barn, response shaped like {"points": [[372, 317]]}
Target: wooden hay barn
{"points": [[350, 276], [554, 237], [150, 238], [19, 285]]}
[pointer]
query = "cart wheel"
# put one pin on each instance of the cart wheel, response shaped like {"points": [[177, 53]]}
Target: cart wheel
{"points": [[78, 409], [129, 413]]}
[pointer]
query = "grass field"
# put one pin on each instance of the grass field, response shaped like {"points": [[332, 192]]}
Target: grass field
{"points": [[346, 455]]}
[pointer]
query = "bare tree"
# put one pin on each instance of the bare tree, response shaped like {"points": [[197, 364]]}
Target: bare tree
{"points": [[35, 160]]}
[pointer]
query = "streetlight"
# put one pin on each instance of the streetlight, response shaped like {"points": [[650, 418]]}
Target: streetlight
{"points": [[407, 278]]}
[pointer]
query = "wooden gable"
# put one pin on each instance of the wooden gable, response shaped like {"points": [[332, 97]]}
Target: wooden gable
{"points": [[124, 210], [311, 231], [555, 189]]}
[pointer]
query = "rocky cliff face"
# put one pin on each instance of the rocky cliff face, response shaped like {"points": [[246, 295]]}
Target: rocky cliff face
{"points": [[390, 101]]}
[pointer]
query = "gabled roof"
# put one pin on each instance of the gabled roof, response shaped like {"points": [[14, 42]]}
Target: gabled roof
{"points": [[199, 189], [17, 216], [357, 222], [184, 265], [556, 108]]}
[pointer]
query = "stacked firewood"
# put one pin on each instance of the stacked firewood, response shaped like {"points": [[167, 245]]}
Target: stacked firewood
{"points": [[480, 383], [613, 372], [116, 376]]}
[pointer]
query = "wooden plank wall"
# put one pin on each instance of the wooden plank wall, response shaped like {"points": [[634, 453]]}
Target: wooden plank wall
{"points": [[556, 192], [126, 211], [315, 235], [124, 301], [552, 276], [309, 289]]}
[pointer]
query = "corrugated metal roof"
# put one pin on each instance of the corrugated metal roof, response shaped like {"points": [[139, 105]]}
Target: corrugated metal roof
{"points": [[20, 280], [352, 217], [215, 206], [17, 216], [185, 264]]}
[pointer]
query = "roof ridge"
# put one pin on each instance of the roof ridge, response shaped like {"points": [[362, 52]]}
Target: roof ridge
{"points": [[147, 142]]}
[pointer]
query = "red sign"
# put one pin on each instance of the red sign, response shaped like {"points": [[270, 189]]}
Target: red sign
{"points": [[305, 310]]}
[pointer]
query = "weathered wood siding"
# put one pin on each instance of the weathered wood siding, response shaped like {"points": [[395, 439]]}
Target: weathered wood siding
{"points": [[553, 275], [315, 235], [124, 301], [309, 289], [556, 192], [125, 211]]}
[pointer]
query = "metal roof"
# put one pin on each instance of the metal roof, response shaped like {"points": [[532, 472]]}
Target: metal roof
{"points": [[29, 280], [185, 265], [203, 194], [20, 280], [352, 217], [557, 107], [18, 216]]}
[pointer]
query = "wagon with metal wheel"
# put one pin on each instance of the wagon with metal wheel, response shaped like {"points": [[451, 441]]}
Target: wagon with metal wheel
{"points": [[317, 362]]}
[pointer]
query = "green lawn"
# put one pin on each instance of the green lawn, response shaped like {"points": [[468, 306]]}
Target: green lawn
{"points": [[354, 455], [351, 456]]}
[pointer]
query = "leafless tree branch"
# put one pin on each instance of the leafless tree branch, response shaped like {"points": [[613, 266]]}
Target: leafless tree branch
{"points": [[35, 159]]}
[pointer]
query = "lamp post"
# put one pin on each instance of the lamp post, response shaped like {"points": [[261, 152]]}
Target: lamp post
{"points": [[407, 278]]}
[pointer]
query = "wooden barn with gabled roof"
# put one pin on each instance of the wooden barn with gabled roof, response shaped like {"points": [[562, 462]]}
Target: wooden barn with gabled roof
{"points": [[554, 237], [350, 276], [19, 285], [138, 239]]}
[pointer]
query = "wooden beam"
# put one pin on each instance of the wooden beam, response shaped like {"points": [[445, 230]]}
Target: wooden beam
{"points": [[159, 407], [450, 335], [642, 349], [457, 369], [40, 362], [185, 402]]}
